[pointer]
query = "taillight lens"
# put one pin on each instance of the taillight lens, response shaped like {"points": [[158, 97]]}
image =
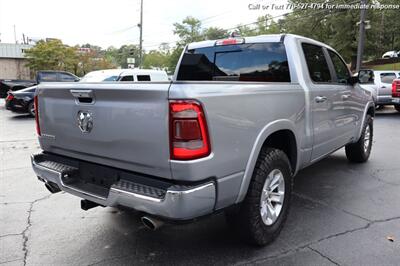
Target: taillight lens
{"points": [[396, 88], [229, 41], [9, 97], [188, 130], [35, 101]]}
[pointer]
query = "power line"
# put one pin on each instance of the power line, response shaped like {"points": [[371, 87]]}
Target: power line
{"points": [[256, 22]]}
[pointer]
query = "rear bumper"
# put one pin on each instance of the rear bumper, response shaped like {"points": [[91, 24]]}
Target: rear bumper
{"points": [[387, 100], [170, 201], [16, 107]]}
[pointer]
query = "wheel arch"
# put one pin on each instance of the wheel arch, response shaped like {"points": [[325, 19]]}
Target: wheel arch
{"points": [[369, 110], [278, 134]]}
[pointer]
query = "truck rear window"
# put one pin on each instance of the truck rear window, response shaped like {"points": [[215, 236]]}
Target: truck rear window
{"points": [[256, 62]]}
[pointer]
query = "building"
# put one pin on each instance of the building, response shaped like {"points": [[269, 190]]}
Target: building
{"points": [[13, 61]]}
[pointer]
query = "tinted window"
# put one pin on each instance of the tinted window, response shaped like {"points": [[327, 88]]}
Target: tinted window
{"points": [[143, 78], [126, 78], [316, 63], [66, 77], [342, 72], [48, 76], [258, 62], [388, 77]]}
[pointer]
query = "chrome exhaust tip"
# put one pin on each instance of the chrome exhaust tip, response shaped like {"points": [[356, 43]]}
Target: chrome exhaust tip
{"points": [[151, 223]]}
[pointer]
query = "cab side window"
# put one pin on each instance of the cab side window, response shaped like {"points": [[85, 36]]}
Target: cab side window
{"points": [[342, 72], [143, 78], [316, 63]]}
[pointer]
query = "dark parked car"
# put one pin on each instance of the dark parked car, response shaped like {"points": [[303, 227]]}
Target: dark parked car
{"points": [[7, 85], [21, 101]]}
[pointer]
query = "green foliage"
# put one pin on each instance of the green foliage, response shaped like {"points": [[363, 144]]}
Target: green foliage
{"points": [[51, 55], [54, 55], [188, 31], [118, 56], [339, 29], [336, 27], [214, 33]]}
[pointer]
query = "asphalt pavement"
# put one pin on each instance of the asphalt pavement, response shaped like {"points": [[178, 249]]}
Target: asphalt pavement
{"points": [[341, 214]]}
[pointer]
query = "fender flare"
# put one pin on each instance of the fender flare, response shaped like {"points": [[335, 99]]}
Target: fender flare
{"points": [[369, 105], [268, 130]]}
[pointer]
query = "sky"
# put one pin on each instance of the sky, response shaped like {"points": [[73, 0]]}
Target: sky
{"points": [[113, 23]]}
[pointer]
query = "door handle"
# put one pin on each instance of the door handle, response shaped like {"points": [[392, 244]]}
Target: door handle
{"points": [[345, 97], [320, 99]]}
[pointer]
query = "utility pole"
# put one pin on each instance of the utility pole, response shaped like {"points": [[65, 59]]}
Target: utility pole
{"points": [[141, 34], [361, 36], [15, 35]]}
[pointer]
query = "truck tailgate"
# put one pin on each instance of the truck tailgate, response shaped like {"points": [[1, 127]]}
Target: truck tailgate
{"points": [[129, 124]]}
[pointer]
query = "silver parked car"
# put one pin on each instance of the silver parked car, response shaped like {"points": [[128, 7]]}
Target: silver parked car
{"points": [[381, 85], [239, 119]]}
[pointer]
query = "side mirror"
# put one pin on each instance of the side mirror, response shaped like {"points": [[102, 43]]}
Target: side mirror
{"points": [[353, 80], [77, 79], [366, 76]]}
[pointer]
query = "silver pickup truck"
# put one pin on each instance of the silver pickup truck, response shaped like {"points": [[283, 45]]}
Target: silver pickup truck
{"points": [[239, 119]]}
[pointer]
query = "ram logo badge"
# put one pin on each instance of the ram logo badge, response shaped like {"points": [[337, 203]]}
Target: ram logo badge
{"points": [[85, 121]]}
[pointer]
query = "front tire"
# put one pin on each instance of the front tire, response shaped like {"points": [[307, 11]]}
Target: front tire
{"points": [[397, 107], [263, 212], [360, 151]]}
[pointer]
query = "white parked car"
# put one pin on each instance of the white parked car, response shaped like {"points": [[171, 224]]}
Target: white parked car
{"points": [[136, 74], [125, 75], [391, 54], [102, 75]]}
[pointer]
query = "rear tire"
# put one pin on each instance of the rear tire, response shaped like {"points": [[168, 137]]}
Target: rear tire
{"points": [[31, 109], [261, 215], [359, 152], [397, 107]]}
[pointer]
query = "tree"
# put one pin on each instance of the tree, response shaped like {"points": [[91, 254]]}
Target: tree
{"points": [[188, 31], [338, 28], [156, 59], [51, 55], [119, 56], [214, 33]]}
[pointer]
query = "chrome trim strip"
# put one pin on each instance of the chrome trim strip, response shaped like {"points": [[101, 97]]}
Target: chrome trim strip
{"points": [[190, 190]]}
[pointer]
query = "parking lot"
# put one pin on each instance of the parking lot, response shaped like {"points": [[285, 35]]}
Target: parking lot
{"points": [[342, 214]]}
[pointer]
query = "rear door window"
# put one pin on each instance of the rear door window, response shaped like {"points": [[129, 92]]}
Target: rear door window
{"points": [[316, 63], [143, 77], [256, 62], [388, 77]]}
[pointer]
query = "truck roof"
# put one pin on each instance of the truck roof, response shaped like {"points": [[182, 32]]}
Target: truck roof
{"points": [[259, 39]]}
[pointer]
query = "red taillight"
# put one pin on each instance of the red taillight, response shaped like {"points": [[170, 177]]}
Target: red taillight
{"points": [[188, 130], [9, 97], [230, 41], [35, 101], [396, 88]]}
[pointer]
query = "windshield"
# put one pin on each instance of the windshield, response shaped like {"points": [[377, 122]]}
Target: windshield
{"points": [[112, 78]]}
